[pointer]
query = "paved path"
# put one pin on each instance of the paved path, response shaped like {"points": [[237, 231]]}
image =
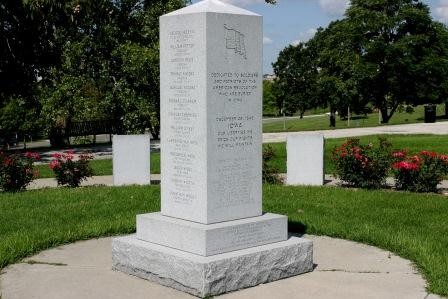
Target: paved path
{"points": [[268, 120], [440, 128], [344, 270], [107, 180]]}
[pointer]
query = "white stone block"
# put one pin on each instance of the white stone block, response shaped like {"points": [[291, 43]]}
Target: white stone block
{"points": [[212, 275], [131, 163], [305, 159], [211, 239], [211, 109]]}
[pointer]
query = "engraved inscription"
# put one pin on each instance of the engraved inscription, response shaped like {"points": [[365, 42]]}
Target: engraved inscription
{"points": [[244, 236], [182, 115], [234, 135], [233, 184], [235, 87], [234, 131]]}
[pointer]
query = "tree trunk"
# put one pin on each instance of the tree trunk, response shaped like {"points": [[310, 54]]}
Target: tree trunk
{"points": [[446, 109], [155, 131], [332, 118], [384, 115]]}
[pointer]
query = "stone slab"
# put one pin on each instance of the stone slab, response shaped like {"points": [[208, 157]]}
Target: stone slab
{"points": [[213, 275], [211, 239], [131, 163], [305, 159], [211, 113]]}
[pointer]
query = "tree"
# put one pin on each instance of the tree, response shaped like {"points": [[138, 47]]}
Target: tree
{"points": [[296, 70], [18, 117], [402, 53], [28, 49], [384, 52], [339, 73], [321, 73], [269, 99], [109, 65]]}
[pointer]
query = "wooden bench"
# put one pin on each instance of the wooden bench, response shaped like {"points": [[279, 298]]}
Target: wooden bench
{"points": [[95, 127]]}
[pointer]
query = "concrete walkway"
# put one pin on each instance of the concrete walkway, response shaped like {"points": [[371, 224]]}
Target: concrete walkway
{"points": [[108, 180], [105, 180], [440, 128], [344, 269]]}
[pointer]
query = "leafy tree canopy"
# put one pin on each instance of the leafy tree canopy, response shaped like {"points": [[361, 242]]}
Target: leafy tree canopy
{"points": [[384, 52]]}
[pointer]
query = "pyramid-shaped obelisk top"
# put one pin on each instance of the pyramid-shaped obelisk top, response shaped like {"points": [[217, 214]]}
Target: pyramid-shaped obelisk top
{"points": [[215, 6]]}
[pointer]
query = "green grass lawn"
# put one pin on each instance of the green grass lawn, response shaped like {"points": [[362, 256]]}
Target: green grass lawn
{"points": [[322, 123], [413, 143], [414, 226]]}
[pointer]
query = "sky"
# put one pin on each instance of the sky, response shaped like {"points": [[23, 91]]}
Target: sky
{"points": [[291, 21]]}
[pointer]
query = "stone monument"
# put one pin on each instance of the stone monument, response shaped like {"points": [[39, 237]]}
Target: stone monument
{"points": [[130, 159], [305, 159], [211, 236]]}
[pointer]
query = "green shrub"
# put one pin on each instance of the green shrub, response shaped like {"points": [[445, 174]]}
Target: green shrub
{"points": [[270, 173], [16, 170], [363, 166], [71, 172]]}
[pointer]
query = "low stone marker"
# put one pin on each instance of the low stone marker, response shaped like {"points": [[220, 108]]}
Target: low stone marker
{"points": [[305, 159], [211, 236], [131, 164]]}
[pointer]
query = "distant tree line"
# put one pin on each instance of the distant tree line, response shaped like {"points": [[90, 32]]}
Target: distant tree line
{"points": [[73, 60], [383, 54]]}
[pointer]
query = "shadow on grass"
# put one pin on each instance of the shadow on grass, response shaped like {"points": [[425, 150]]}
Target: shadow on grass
{"points": [[297, 227], [355, 117], [438, 117]]}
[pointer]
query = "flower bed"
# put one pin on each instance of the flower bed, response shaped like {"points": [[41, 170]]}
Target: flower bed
{"points": [[16, 170], [70, 171], [421, 172], [367, 166], [364, 166]]}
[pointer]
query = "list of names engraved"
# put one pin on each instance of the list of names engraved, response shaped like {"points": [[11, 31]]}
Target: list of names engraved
{"points": [[182, 116]]}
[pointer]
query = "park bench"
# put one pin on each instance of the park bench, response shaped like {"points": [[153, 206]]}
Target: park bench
{"points": [[95, 127], [61, 135]]}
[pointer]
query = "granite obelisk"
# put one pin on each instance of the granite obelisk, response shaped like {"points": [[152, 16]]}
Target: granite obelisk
{"points": [[211, 236]]}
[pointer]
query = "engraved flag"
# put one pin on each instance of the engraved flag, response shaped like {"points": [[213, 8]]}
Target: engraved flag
{"points": [[235, 41]]}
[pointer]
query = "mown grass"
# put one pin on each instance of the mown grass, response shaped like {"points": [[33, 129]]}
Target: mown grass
{"points": [[100, 167], [414, 226], [413, 143], [322, 122]]}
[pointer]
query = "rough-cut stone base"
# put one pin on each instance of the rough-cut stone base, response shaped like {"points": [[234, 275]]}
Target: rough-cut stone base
{"points": [[212, 275]]}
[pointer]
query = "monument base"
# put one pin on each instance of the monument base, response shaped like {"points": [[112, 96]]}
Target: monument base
{"points": [[212, 275], [212, 239]]}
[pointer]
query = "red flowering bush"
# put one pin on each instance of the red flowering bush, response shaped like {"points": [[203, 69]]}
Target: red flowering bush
{"points": [[421, 172], [16, 170], [70, 171], [364, 166]]}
